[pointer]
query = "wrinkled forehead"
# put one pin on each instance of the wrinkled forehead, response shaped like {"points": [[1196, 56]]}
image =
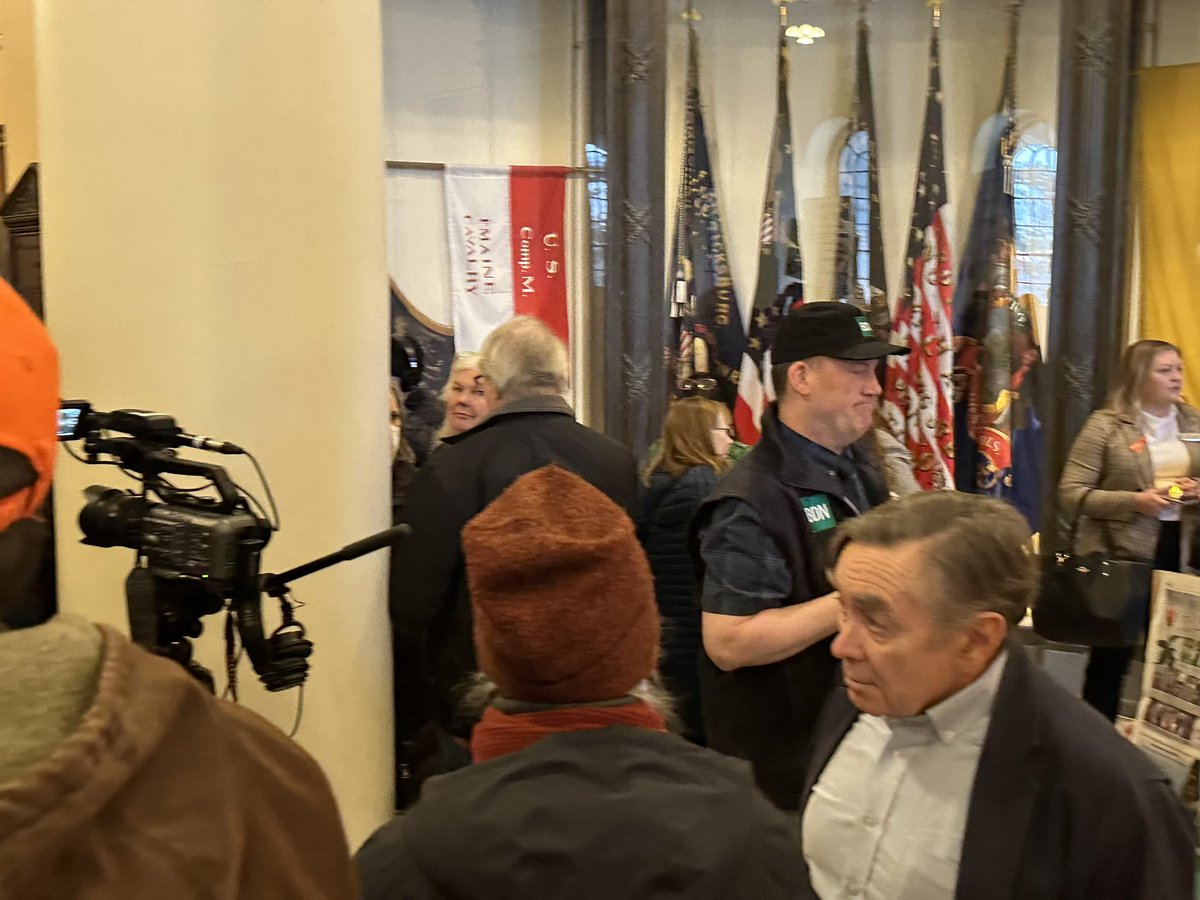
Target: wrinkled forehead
{"points": [[899, 576]]}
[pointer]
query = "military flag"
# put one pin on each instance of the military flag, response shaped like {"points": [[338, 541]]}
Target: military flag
{"points": [[780, 273], [707, 322], [869, 293], [917, 392], [997, 353]]}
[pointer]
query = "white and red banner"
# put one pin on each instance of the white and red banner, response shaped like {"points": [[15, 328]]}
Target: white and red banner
{"points": [[507, 248]]}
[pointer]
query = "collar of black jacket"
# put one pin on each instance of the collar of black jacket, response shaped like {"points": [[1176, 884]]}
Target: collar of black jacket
{"points": [[797, 461], [551, 404]]}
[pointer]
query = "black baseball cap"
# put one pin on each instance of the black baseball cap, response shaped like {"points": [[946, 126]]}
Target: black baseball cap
{"points": [[828, 328]]}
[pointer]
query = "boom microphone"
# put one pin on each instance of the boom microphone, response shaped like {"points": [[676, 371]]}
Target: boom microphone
{"points": [[206, 443]]}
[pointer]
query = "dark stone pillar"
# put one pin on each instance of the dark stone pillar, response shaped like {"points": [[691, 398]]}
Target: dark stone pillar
{"points": [[1098, 57], [635, 313]]}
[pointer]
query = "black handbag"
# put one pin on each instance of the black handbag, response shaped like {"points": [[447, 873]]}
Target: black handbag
{"points": [[1094, 599]]}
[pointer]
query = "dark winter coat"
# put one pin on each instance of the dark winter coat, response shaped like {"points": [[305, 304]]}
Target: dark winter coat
{"points": [[617, 812], [1062, 806], [430, 608], [668, 504]]}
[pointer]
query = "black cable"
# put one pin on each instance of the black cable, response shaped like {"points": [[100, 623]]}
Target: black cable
{"points": [[67, 447], [257, 506], [299, 713], [266, 487], [136, 476]]}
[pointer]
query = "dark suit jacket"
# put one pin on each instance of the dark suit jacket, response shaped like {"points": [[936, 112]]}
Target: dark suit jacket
{"points": [[1062, 805], [428, 599]]}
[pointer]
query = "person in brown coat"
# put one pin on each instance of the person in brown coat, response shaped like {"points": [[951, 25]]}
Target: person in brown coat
{"points": [[1130, 481], [120, 776]]}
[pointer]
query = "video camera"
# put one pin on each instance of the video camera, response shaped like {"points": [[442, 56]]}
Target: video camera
{"points": [[198, 548]]}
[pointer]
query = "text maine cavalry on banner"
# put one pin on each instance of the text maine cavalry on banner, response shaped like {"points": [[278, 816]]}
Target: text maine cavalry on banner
{"points": [[507, 249]]}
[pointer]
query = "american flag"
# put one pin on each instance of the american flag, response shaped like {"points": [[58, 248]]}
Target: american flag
{"points": [[918, 387], [704, 306], [780, 273]]}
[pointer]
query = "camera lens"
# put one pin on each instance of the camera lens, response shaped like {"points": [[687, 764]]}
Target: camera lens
{"points": [[111, 517]]}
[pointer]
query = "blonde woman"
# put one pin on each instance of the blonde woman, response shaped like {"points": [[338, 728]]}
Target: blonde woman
{"points": [[468, 395], [692, 455], [1130, 480]]}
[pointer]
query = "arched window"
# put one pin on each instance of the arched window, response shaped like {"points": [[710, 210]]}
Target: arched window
{"points": [[855, 189], [597, 187], [1034, 165]]}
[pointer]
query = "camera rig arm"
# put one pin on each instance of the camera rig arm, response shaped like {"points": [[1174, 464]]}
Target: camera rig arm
{"points": [[154, 463]]}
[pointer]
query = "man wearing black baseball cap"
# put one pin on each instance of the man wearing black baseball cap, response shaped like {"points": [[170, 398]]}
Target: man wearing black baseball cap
{"points": [[760, 541]]}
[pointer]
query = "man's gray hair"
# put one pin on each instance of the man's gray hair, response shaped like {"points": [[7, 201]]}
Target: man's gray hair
{"points": [[978, 548], [522, 358]]}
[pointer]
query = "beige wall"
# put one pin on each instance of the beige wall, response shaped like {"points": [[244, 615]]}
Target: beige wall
{"points": [[17, 85], [213, 249], [1178, 33]]}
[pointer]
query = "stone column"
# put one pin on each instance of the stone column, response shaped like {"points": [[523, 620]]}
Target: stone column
{"points": [[1098, 60], [213, 222], [635, 309]]}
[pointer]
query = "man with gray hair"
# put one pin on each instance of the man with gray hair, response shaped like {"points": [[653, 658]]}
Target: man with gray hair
{"points": [[531, 426], [946, 764]]}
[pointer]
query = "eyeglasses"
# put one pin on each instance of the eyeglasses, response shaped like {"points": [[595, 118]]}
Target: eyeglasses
{"points": [[728, 429], [691, 385]]}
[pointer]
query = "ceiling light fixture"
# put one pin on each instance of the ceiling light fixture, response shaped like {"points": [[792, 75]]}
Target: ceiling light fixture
{"points": [[805, 34]]}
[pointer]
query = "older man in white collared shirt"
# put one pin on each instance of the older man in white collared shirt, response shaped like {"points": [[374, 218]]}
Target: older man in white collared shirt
{"points": [[946, 765]]}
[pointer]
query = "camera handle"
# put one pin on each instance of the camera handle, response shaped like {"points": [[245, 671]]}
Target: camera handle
{"points": [[154, 463]]}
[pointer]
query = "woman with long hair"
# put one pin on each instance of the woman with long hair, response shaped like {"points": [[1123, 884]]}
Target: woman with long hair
{"points": [[692, 455], [1130, 481]]}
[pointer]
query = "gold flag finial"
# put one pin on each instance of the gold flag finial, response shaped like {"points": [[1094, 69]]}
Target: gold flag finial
{"points": [[936, 6], [691, 14]]}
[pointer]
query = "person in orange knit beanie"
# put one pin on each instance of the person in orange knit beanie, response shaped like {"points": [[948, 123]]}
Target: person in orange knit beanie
{"points": [[578, 789], [120, 776]]}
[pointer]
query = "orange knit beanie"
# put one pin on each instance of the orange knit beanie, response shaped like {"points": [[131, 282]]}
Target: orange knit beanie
{"points": [[28, 400], [562, 593]]}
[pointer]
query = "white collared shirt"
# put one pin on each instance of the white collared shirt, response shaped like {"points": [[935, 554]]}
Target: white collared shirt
{"points": [[887, 816], [1168, 455]]}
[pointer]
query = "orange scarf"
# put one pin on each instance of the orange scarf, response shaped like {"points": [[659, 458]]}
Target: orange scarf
{"points": [[499, 733]]}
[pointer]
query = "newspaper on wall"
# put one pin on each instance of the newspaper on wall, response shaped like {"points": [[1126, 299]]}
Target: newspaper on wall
{"points": [[1168, 721]]}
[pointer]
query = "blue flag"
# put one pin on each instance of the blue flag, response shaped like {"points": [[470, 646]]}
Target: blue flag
{"points": [[998, 432], [709, 337]]}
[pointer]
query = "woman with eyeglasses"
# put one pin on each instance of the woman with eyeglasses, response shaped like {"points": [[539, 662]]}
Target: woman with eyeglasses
{"points": [[692, 455]]}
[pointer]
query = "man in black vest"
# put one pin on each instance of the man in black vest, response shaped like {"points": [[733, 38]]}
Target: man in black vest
{"points": [[760, 541]]}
